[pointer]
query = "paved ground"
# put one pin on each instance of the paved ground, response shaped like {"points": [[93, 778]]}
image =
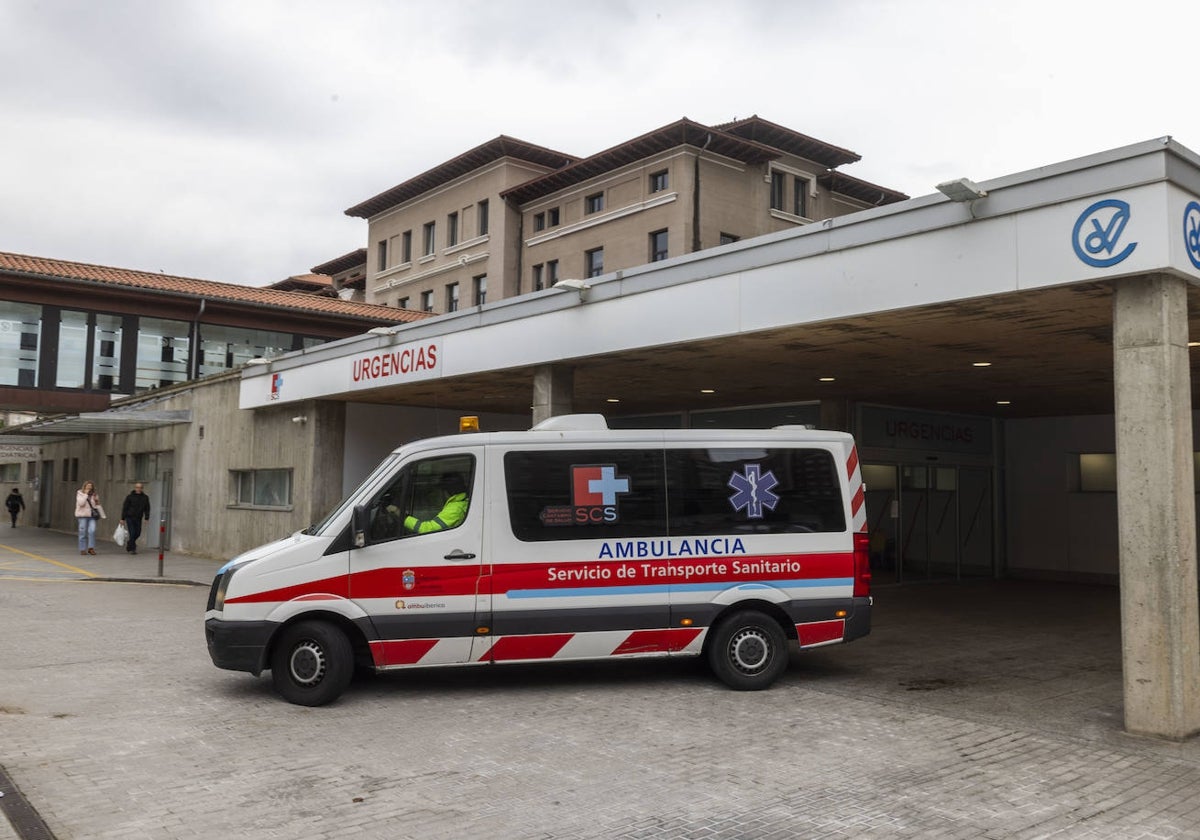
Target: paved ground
{"points": [[980, 710]]}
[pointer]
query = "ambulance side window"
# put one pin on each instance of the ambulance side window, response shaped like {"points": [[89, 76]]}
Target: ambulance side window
{"points": [[753, 490], [418, 491], [585, 494]]}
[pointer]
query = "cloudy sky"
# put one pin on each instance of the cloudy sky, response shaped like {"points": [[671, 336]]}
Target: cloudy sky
{"points": [[223, 139]]}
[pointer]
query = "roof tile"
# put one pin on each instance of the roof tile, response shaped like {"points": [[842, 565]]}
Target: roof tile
{"points": [[49, 269]]}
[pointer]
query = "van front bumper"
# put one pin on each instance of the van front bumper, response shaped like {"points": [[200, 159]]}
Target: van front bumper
{"points": [[239, 645]]}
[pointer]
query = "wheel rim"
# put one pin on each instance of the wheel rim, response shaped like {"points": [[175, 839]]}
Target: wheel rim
{"points": [[307, 663], [749, 650]]}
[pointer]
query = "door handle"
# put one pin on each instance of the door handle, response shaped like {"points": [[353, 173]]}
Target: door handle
{"points": [[458, 554]]}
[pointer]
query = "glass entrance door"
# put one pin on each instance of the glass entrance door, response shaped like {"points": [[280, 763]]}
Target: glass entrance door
{"points": [[928, 522]]}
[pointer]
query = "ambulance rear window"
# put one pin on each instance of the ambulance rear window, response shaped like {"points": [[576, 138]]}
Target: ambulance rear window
{"points": [[763, 491]]}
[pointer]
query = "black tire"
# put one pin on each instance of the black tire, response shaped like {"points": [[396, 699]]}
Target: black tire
{"points": [[748, 651], [312, 663]]}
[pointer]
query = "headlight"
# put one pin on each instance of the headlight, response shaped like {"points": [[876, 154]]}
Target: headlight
{"points": [[216, 597]]}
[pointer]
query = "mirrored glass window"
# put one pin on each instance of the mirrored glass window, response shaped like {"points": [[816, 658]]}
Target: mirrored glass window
{"points": [[20, 339], [72, 349], [162, 353]]}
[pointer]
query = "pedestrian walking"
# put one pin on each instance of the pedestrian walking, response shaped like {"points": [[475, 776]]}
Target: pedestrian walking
{"points": [[87, 513], [134, 510], [15, 504]]}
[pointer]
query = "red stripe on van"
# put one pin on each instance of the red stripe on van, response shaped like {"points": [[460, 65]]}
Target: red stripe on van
{"points": [[852, 462], [334, 587], [527, 647], [820, 632], [857, 502], [657, 641], [401, 652]]}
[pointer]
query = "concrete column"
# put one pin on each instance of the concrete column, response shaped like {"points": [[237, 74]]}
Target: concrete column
{"points": [[1160, 632], [553, 391]]}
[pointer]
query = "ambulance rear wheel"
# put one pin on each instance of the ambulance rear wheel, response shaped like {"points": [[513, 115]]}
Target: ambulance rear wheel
{"points": [[748, 651], [312, 663]]}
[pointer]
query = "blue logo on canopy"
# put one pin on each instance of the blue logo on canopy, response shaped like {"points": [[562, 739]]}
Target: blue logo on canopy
{"points": [[1191, 232], [1098, 231]]}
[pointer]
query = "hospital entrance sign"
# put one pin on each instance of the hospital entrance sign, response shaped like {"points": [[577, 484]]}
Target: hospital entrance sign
{"points": [[378, 367]]}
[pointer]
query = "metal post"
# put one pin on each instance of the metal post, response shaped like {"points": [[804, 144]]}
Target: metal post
{"points": [[162, 529]]}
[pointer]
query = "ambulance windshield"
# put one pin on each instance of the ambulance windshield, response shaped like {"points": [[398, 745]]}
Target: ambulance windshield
{"points": [[385, 468]]}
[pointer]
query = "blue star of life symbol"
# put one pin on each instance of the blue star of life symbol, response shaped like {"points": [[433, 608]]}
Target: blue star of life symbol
{"points": [[753, 491]]}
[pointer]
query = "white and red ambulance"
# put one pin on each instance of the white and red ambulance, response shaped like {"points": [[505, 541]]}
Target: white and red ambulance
{"points": [[578, 542]]}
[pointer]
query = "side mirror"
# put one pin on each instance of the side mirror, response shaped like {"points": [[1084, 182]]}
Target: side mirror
{"points": [[358, 526]]}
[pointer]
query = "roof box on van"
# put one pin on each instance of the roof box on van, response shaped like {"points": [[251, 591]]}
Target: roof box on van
{"points": [[573, 423]]}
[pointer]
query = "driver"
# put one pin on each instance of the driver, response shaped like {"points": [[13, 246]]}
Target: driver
{"points": [[453, 512]]}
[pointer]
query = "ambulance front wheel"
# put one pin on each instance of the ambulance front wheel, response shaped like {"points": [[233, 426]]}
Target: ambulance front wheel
{"points": [[748, 651], [312, 663]]}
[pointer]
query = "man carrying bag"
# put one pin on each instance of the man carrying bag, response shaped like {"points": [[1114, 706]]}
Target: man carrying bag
{"points": [[135, 509]]}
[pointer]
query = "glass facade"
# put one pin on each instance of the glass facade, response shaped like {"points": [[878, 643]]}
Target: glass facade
{"points": [[72, 349], [122, 354], [162, 353], [20, 338], [106, 353], [224, 348]]}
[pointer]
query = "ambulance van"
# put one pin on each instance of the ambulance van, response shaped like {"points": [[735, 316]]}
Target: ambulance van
{"points": [[569, 541]]}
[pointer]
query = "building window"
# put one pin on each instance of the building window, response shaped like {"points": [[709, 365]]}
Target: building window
{"points": [[727, 238], [406, 246], [593, 262], [20, 335], [658, 245], [382, 264], [539, 222], [551, 272], [402, 302], [225, 348], [162, 353], [777, 187], [260, 488], [106, 353], [429, 238], [800, 197], [75, 469], [480, 289], [658, 181], [452, 297], [145, 466], [537, 277], [72, 349], [552, 217], [427, 301], [451, 229], [483, 217], [594, 203]]}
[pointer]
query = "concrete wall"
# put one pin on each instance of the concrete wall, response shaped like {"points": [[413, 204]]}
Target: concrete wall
{"points": [[200, 456], [1055, 530]]}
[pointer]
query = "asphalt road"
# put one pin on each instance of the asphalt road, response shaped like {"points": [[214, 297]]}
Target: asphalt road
{"points": [[948, 721]]}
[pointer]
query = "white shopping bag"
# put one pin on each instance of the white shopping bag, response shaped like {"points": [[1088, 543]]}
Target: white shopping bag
{"points": [[121, 534]]}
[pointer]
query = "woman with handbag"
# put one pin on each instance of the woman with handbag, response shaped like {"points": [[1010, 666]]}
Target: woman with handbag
{"points": [[87, 514]]}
